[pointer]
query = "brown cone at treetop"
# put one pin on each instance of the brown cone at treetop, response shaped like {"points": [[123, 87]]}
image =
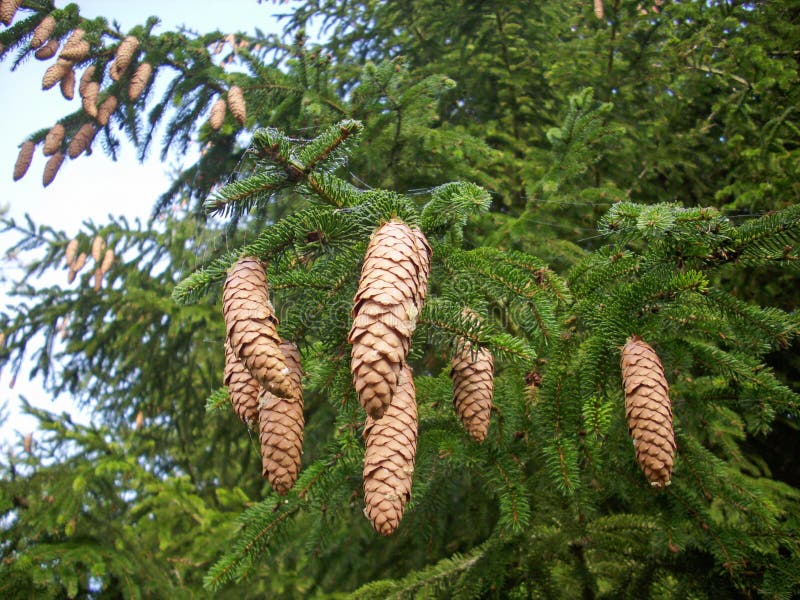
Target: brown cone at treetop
{"points": [[23, 159], [76, 266], [7, 10], [386, 305], [243, 389], [53, 139], [217, 116], [43, 32], [473, 387], [81, 140], [76, 48], [47, 51], [55, 72], [648, 410], [139, 80], [123, 56], [391, 446], [98, 245], [71, 252], [236, 103], [108, 260], [51, 168], [250, 324], [106, 109], [68, 84]]}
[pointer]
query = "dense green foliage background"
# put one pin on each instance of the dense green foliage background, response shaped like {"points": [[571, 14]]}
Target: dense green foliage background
{"points": [[638, 174]]}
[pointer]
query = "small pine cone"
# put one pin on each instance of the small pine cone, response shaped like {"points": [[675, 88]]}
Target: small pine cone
{"points": [[53, 139], [76, 48], [217, 114], [280, 423], [80, 142], [473, 389], [89, 99], [43, 32], [71, 252], [384, 313], [7, 10], [98, 280], [47, 51], [68, 84], [51, 168], [122, 59], [98, 245], [139, 80], [236, 104], [75, 267], [108, 260], [106, 109], [243, 389], [86, 78], [598, 9], [250, 324], [55, 72], [391, 446], [23, 159], [648, 410]]}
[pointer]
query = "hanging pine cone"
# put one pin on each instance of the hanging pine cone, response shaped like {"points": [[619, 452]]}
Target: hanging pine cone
{"points": [[236, 103], [598, 9], [89, 99], [7, 10], [55, 72], [648, 410], [75, 267], [51, 168], [98, 280], [280, 422], [76, 48], [68, 84], [43, 32], [47, 51], [122, 59], [106, 109], [53, 139], [81, 140], [23, 159], [243, 389], [139, 80], [108, 260], [250, 323], [473, 387], [98, 245], [391, 446], [217, 114], [71, 252], [86, 78]]}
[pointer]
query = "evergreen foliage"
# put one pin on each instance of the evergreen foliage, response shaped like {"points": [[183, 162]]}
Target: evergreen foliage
{"points": [[579, 180]]}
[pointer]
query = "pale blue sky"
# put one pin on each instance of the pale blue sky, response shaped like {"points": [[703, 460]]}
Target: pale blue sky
{"points": [[82, 189]]}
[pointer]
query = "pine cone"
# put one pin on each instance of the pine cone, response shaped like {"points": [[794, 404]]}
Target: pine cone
{"points": [[391, 446], [7, 10], [108, 260], [217, 114], [71, 252], [385, 311], [43, 32], [250, 324], [53, 139], [23, 159], [76, 48], [598, 9], [236, 103], [280, 422], [47, 51], [473, 388], [86, 78], [106, 109], [242, 387], [98, 245], [291, 358], [98, 280], [648, 410], [68, 84], [122, 59], [55, 72], [89, 99], [52, 167], [80, 142], [75, 267], [139, 80]]}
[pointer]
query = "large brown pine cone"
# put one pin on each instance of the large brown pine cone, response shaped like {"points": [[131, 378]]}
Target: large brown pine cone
{"points": [[23, 159], [243, 388]]}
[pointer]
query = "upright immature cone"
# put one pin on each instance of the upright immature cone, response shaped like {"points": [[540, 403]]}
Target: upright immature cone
{"points": [[217, 114], [648, 410], [53, 139], [281, 427], [386, 305], [51, 168], [236, 103], [23, 159], [139, 80], [391, 446], [7, 10], [250, 324], [243, 389], [473, 388], [80, 142], [47, 51], [43, 31]]}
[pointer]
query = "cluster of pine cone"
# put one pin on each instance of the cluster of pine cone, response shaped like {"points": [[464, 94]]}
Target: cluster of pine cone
{"points": [[103, 259]]}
